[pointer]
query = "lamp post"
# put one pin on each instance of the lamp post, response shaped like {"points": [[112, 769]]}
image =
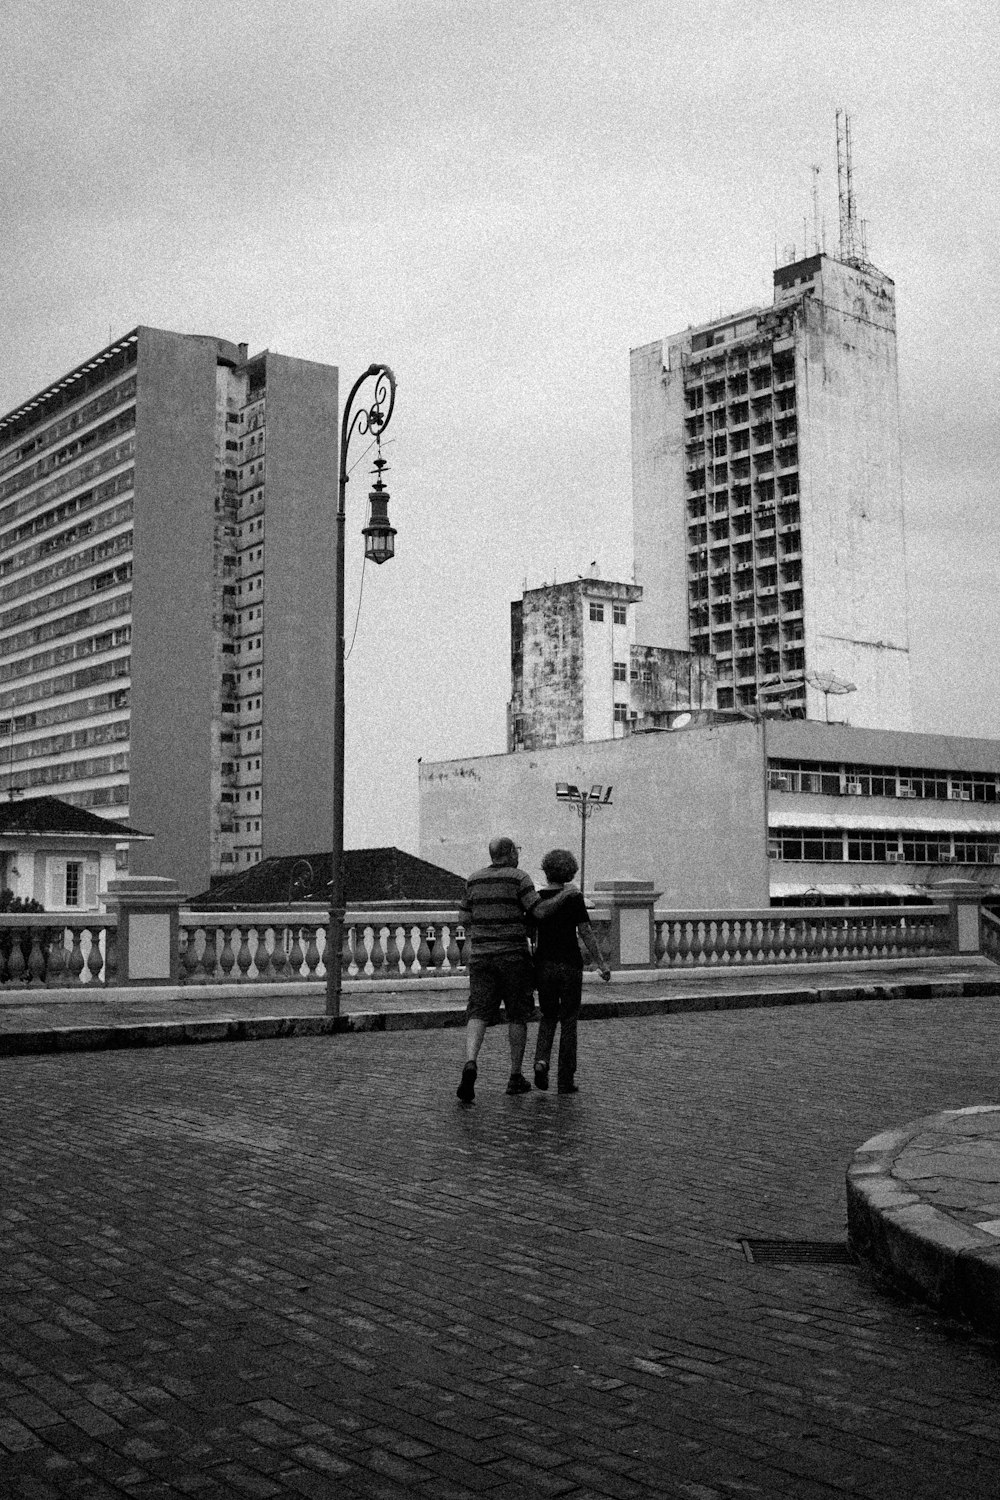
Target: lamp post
{"points": [[585, 803], [379, 548]]}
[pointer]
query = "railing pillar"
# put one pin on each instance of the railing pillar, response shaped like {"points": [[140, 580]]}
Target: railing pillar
{"points": [[633, 935], [963, 898], [148, 928]]}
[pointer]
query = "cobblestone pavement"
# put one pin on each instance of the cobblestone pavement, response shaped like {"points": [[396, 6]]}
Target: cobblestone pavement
{"points": [[301, 1268]]}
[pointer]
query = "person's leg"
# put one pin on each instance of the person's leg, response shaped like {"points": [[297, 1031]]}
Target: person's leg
{"points": [[569, 1012], [548, 1004], [519, 1004], [475, 1032], [483, 1005]]}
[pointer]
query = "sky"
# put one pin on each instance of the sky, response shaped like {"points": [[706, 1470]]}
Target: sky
{"points": [[500, 200]]}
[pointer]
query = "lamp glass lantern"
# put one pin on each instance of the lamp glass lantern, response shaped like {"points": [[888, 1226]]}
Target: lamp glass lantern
{"points": [[378, 534]]}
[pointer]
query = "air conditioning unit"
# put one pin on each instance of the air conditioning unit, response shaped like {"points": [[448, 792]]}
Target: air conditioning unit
{"points": [[957, 795], [947, 859], [996, 859], [854, 789], [780, 784], [893, 857], [905, 790]]}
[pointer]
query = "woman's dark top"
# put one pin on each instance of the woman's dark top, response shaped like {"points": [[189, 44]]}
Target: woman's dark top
{"points": [[557, 939]]}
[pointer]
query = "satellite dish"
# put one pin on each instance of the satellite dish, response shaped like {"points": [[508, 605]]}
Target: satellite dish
{"points": [[827, 683], [681, 722]]}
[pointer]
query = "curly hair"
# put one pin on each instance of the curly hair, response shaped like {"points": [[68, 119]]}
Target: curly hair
{"points": [[560, 865]]}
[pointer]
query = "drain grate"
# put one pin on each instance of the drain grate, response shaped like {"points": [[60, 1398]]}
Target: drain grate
{"points": [[797, 1253]]}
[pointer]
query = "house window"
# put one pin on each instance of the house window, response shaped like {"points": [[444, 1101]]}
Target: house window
{"points": [[621, 671], [597, 611], [74, 871], [620, 614], [621, 713]]}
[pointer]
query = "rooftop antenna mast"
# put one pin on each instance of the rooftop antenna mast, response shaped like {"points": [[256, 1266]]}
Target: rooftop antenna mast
{"points": [[817, 247], [849, 240]]}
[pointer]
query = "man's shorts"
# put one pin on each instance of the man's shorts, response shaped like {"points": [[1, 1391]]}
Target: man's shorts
{"points": [[508, 978]]}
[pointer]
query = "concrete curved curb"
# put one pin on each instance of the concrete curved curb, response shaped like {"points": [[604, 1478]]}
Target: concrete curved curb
{"points": [[923, 1207]]}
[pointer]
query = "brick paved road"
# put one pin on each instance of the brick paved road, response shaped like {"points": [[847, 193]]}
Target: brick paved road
{"points": [[302, 1269]]}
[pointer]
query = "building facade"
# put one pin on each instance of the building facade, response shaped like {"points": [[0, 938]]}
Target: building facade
{"points": [[744, 814], [164, 607], [768, 509], [577, 672]]}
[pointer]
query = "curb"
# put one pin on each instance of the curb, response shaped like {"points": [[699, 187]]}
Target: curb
{"points": [[49, 1040], [923, 1251]]}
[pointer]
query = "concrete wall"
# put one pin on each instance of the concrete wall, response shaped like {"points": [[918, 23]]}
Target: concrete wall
{"points": [[789, 740], [688, 811], [659, 521], [853, 545], [300, 500], [172, 642]]}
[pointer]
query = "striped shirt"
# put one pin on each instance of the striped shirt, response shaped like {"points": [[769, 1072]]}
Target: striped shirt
{"points": [[497, 901]]}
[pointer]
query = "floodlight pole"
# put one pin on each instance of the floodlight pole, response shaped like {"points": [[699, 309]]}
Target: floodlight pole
{"points": [[585, 803]]}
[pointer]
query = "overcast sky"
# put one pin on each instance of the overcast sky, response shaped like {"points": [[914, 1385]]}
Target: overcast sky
{"points": [[500, 200]]}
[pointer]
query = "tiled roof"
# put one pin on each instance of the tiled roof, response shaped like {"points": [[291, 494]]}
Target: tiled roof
{"points": [[26, 815], [388, 874]]}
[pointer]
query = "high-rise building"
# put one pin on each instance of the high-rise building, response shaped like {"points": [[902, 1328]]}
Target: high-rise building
{"points": [[578, 673], [167, 579], [768, 509]]}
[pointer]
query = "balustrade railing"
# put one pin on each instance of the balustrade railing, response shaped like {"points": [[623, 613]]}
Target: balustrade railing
{"points": [[55, 949], [258, 947], [786, 935]]}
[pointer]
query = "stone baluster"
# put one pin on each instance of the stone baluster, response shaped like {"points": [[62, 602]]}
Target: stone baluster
{"points": [[349, 933], [437, 950], [392, 951], [409, 954], [95, 958], [732, 949], [16, 966], [453, 955], [227, 958], [659, 942], [466, 945], [57, 968], [244, 957], [423, 949], [295, 955], [278, 958], [684, 945], [36, 958], [377, 954], [312, 951]]}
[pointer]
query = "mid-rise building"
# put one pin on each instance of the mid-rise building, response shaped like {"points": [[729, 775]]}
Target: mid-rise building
{"points": [[578, 673], [166, 593], [768, 508]]}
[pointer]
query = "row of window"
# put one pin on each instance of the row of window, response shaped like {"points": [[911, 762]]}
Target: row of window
{"points": [[58, 598], [68, 454], [108, 609], [78, 739], [59, 713], [58, 656], [80, 474], [46, 436], [98, 796], [619, 613], [74, 770], [882, 846], [55, 687], [825, 778]]}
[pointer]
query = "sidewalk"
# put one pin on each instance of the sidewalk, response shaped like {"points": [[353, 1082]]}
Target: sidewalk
{"points": [[73, 1020]]}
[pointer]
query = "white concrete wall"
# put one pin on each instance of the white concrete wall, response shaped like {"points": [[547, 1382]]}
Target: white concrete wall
{"points": [[659, 519], [688, 812], [853, 545]]}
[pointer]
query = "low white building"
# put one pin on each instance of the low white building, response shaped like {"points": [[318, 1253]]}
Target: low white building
{"points": [[60, 855], [739, 815]]}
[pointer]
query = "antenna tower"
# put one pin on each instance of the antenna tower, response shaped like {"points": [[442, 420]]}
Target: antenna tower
{"points": [[817, 246], [851, 245]]}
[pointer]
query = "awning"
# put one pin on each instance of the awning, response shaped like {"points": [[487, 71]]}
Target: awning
{"points": [[925, 821]]}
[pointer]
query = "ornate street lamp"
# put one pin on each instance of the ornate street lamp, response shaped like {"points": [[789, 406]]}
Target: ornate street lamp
{"points": [[585, 803], [379, 548]]}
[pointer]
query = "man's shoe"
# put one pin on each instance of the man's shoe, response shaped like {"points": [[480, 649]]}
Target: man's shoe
{"points": [[541, 1075], [518, 1084], [567, 1088], [467, 1088]]}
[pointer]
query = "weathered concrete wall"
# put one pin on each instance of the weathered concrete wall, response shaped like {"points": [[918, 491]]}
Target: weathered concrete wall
{"points": [[853, 545], [669, 679], [659, 521], [687, 812], [299, 604], [173, 665]]}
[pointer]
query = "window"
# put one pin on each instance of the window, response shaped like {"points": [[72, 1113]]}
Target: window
{"points": [[621, 671], [620, 614], [74, 870], [596, 611], [621, 713]]}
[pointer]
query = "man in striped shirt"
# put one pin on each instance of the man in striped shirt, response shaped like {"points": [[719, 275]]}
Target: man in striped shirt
{"points": [[499, 900]]}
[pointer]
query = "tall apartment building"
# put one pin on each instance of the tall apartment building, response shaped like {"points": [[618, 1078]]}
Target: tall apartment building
{"points": [[768, 510], [578, 673], [167, 580]]}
